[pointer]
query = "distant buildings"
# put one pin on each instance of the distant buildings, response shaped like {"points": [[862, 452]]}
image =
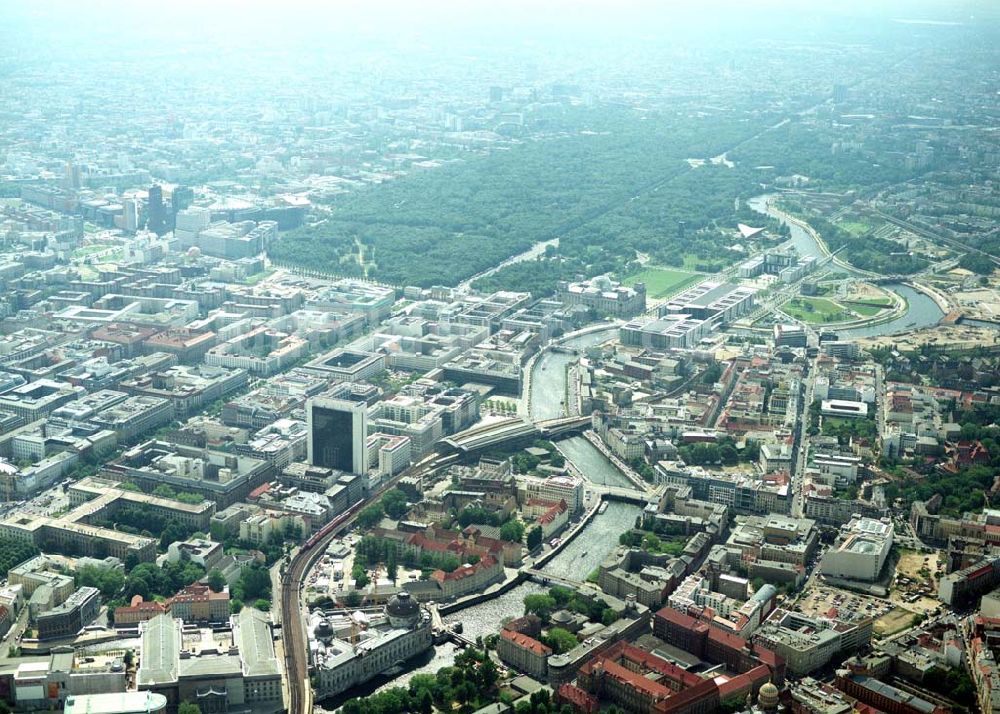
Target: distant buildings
{"points": [[553, 488], [717, 303], [642, 682], [218, 476], [716, 646], [789, 336], [235, 670], [68, 618], [808, 643], [520, 648], [342, 655], [741, 492], [194, 228], [964, 586], [262, 351], [884, 697]]}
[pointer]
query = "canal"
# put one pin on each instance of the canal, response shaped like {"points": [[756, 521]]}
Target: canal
{"points": [[576, 561], [921, 311]]}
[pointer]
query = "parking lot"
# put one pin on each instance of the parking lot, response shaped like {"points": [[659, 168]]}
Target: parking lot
{"points": [[830, 602], [51, 502]]}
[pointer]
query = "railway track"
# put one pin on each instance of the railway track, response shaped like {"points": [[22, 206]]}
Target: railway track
{"points": [[293, 632]]}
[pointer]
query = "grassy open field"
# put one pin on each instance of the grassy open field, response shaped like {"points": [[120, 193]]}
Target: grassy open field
{"points": [[816, 310], [693, 262], [855, 227], [84, 251], [661, 282]]}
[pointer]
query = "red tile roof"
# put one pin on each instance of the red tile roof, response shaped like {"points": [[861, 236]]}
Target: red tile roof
{"points": [[465, 571], [197, 592], [577, 698], [526, 642]]}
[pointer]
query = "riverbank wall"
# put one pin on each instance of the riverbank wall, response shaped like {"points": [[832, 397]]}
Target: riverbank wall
{"points": [[520, 577], [627, 471], [940, 300]]}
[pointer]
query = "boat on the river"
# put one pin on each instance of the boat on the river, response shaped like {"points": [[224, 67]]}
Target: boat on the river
{"points": [[603, 507], [583, 554]]}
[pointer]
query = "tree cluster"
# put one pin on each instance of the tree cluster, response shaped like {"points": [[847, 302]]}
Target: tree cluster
{"points": [[560, 598], [471, 215], [14, 551], [108, 580], [149, 580], [469, 685]]}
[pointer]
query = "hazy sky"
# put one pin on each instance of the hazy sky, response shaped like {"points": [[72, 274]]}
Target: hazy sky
{"points": [[105, 24]]}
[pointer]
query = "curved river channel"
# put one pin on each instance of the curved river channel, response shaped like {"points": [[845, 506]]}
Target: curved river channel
{"points": [[921, 311], [600, 537]]}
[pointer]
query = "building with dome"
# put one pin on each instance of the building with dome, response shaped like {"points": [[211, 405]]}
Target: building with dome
{"points": [[402, 611], [604, 296], [767, 697], [347, 650]]}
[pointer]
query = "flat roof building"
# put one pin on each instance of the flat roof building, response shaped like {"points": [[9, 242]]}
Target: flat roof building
{"points": [[861, 550], [116, 703]]}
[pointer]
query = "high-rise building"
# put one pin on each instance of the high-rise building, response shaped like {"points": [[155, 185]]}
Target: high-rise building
{"points": [[182, 197], [157, 211], [338, 432], [131, 214], [71, 177]]}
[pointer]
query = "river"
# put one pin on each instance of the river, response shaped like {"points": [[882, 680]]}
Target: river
{"points": [[575, 561], [548, 375], [592, 464], [921, 311]]}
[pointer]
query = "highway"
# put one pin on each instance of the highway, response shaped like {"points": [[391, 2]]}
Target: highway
{"points": [[293, 628]]}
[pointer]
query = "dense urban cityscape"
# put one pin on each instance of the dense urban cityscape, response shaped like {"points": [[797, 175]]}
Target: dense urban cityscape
{"points": [[577, 358]]}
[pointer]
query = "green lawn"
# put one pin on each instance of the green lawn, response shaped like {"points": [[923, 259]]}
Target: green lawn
{"points": [[866, 310], [709, 265], [258, 277], [84, 251], [816, 310], [661, 282]]}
